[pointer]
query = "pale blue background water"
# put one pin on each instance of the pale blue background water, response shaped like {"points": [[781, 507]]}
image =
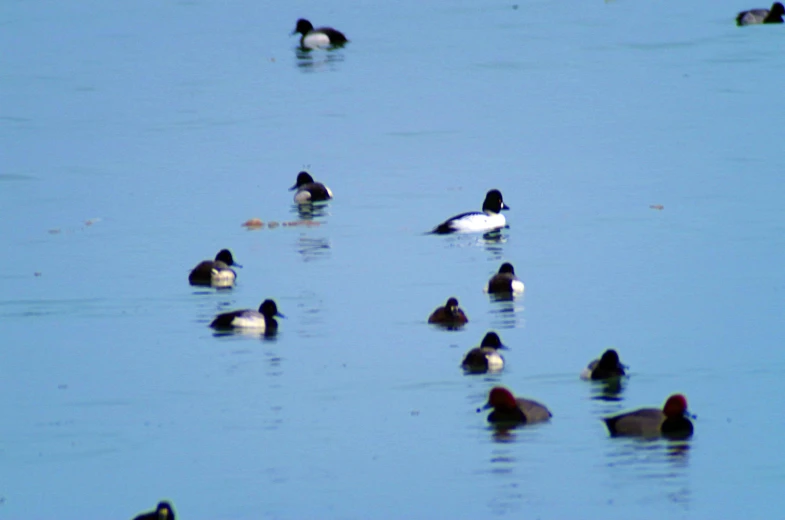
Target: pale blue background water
{"points": [[170, 124]]}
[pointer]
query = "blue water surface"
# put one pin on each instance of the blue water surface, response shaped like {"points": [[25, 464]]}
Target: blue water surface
{"points": [[639, 145]]}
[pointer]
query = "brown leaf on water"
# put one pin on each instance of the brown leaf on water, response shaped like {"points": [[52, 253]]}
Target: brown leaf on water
{"points": [[253, 223], [658, 207]]}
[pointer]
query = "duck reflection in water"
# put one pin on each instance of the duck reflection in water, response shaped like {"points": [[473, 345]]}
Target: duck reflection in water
{"points": [[311, 210], [313, 248], [308, 62], [510, 412], [608, 389]]}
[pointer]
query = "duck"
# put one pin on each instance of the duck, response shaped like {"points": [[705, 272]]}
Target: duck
{"points": [[449, 315], [163, 511], [606, 367], [309, 190], [505, 283], [262, 321], [672, 421], [756, 16], [216, 273], [509, 410], [489, 219], [323, 37], [486, 357]]}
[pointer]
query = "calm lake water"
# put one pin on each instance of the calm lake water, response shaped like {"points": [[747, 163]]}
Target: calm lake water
{"points": [[639, 145]]}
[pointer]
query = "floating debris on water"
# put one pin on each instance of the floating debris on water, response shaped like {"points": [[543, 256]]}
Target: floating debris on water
{"points": [[658, 207], [253, 223], [256, 223]]}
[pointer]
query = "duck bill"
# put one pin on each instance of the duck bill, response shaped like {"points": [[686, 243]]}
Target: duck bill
{"points": [[505, 206], [503, 347], [293, 188], [278, 314], [237, 265]]}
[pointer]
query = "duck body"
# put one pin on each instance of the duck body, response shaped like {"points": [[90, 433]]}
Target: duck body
{"points": [[607, 366], [505, 283], [215, 273], [758, 16], [486, 357], [672, 421], [489, 219], [450, 315], [319, 38], [163, 511], [509, 410], [262, 321], [309, 191]]}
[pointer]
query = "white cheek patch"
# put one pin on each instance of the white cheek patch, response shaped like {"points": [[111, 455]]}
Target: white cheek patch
{"points": [[329, 192], [517, 287]]}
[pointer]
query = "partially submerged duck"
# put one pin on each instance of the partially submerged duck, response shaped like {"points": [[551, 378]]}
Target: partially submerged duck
{"points": [[215, 273], [672, 421], [309, 191], [606, 367], [486, 357], [507, 410], [262, 321], [489, 219], [449, 315], [320, 38], [757, 16]]}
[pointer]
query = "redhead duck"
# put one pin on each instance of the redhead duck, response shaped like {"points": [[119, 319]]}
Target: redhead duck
{"points": [[216, 273], [489, 219], [309, 190], [163, 511], [321, 38], [449, 315], [485, 358], [507, 409], [756, 16], [672, 421], [607, 367], [262, 321]]}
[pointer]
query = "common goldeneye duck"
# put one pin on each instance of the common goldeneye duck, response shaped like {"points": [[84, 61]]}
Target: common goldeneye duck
{"points": [[672, 421], [508, 410], [607, 367], [505, 283], [216, 273], [163, 511], [756, 16], [309, 191], [489, 219], [449, 315], [485, 358], [262, 321], [320, 38]]}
